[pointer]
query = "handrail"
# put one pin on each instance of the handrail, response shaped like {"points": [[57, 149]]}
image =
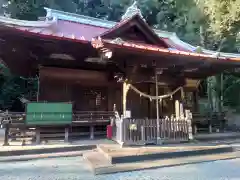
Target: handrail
{"points": [[92, 115], [17, 117]]}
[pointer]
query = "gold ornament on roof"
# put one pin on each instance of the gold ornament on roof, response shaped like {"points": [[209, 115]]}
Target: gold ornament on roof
{"points": [[198, 49], [118, 41], [131, 11]]}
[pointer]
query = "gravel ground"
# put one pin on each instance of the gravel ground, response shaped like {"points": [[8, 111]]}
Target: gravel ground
{"points": [[75, 169]]}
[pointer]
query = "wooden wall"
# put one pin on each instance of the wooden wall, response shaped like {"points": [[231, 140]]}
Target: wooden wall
{"points": [[56, 87]]}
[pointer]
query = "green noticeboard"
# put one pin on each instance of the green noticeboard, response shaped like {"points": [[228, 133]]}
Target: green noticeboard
{"points": [[49, 114]]}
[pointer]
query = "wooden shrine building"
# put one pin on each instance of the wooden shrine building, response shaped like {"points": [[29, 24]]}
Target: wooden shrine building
{"points": [[92, 62]]}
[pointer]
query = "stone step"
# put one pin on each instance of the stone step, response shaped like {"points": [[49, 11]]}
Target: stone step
{"points": [[115, 155], [96, 160]]}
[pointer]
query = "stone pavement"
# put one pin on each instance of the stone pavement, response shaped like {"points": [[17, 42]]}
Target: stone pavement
{"points": [[16, 149], [31, 157], [75, 169], [217, 136]]}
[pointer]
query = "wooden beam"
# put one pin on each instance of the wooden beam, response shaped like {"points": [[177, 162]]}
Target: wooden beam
{"points": [[131, 72], [74, 74]]}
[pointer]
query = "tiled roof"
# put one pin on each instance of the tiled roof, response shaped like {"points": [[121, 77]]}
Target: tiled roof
{"points": [[171, 38], [79, 27]]}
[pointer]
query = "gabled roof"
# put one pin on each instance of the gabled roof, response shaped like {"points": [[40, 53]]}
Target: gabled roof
{"points": [[66, 25], [137, 22]]}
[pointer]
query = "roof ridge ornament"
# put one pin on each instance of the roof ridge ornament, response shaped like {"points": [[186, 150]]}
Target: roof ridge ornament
{"points": [[49, 15], [198, 49], [131, 11]]}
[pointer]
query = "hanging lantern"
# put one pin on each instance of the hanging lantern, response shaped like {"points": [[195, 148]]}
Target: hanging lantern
{"points": [[171, 97], [150, 99]]}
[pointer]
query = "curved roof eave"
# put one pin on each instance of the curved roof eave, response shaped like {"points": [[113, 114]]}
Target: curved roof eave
{"points": [[24, 23], [173, 36]]}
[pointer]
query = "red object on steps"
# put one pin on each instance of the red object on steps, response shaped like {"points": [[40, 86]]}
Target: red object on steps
{"points": [[109, 131]]}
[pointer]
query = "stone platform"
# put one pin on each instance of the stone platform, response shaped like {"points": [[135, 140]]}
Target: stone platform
{"points": [[112, 158]]}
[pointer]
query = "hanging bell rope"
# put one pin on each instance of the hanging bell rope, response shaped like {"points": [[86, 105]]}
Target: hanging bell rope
{"points": [[157, 97]]}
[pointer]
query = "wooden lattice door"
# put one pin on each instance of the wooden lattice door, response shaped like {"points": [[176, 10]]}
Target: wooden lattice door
{"points": [[90, 99]]}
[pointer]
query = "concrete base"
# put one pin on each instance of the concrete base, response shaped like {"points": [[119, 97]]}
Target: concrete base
{"points": [[99, 167], [116, 155], [113, 158]]}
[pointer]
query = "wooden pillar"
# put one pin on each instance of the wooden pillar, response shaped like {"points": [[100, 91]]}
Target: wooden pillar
{"points": [[125, 91], [91, 132], [23, 137], [157, 109], [157, 100], [110, 98], [66, 137], [195, 130], [149, 103], [177, 109], [182, 108], [38, 88], [6, 135], [38, 138], [41, 94], [210, 127], [152, 109], [189, 120]]}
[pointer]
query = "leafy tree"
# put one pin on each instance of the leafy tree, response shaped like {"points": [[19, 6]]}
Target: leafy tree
{"points": [[221, 32], [223, 20]]}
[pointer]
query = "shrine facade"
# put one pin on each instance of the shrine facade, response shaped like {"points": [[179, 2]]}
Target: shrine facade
{"points": [[89, 62]]}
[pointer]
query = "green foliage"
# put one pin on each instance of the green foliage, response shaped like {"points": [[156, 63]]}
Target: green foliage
{"points": [[223, 20], [221, 34], [13, 87], [224, 16], [25, 9]]}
